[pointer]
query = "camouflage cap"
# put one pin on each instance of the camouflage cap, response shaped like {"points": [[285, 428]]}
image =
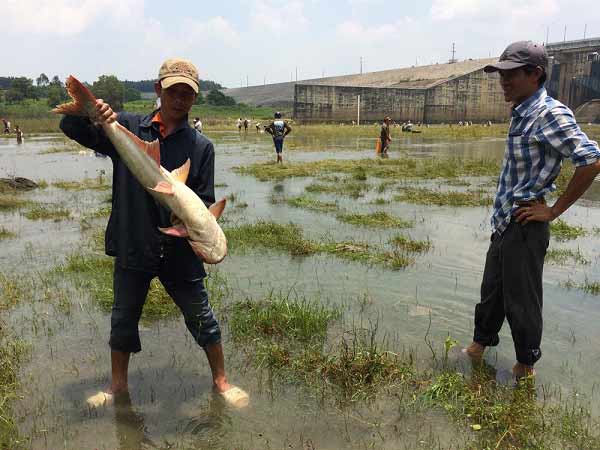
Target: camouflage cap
{"points": [[177, 70]]}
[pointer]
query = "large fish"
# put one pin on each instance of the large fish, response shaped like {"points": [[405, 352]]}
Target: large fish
{"points": [[196, 222]]}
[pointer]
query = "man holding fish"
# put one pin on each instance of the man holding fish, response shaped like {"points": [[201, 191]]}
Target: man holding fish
{"points": [[161, 155]]}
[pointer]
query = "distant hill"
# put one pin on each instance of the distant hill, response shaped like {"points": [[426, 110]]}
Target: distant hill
{"points": [[148, 85]]}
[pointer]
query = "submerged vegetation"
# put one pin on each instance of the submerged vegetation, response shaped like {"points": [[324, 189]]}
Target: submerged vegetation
{"points": [[430, 168], [562, 231], [6, 234], [39, 211], [378, 219], [563, 256], [444, 198]]}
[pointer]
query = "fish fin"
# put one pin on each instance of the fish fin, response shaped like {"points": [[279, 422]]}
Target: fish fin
{"points": [[152, 149], [216, 209], [82, 99], [181, 173], [177, 231], [164, 188]]}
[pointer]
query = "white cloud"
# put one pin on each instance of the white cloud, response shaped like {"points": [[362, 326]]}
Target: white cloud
{"points": [[278, 16], [498, 11], [63, 17]]}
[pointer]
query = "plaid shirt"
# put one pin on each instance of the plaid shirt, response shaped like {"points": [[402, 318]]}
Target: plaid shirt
{"points": [[542, 132]]}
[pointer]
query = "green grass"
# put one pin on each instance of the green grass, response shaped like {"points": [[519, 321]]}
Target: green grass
{"points": [[11, 202], [290, 239], [100, 183], [410, 245], [278, 317], [39, 211], [6, 234], [378, 219], [409, 168], [564, 256], [423, 196], [562, 231], [307, 202], [348, 187], [64, 147]]}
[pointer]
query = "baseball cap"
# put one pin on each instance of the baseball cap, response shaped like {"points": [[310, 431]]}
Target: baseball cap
{"points": [[177, 70], [519, 54]]}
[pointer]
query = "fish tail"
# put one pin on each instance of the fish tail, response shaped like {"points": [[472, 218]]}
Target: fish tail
{"points": [[83, 100]]}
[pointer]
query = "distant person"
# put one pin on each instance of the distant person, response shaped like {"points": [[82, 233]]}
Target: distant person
{"points": [[542, 133], [198, 124], [385, 135], [279, 129], [246, 123], [257, 127], [239, 124], [19, 134], [6, 124]]}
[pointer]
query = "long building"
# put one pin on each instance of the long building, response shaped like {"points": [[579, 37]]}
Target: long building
{"points": [[438, 93]]}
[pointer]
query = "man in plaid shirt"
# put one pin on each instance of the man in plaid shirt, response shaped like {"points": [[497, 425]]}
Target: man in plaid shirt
{"points": [[542, 133]]}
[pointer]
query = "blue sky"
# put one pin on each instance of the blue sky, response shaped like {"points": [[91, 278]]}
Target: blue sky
{"points": [[233, 41]]}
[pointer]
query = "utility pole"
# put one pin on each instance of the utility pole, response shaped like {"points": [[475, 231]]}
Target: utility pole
{"points": [[585, 31], [453, 60], [247, 81], [565, 35], [296, 74], [265, 80], [361, 65], [547, 34]]}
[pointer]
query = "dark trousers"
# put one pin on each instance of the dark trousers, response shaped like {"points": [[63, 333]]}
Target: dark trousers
{"points": [[278, 141], [512, 288], [130, 291]]}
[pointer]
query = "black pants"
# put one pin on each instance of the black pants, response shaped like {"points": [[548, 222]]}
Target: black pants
{"points": [[512, 288]]}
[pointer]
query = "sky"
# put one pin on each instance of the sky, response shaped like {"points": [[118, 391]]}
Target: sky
{"points": [[237, 42]]}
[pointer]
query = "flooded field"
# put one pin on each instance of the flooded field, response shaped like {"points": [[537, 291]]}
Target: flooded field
{"points": [[363, 273]]}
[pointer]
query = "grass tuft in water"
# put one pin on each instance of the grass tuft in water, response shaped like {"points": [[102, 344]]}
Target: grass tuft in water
{"points": [[100, 183], [410, 245], [562, 231], [10, 202], [348, 187], [6, 234], [39, 211], [425, 196], [307, 202], [278, 317], [272, 236], [564, 256], [378, 219]]}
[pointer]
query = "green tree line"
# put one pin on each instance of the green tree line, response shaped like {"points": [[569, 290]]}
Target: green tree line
{"points": [[107, 87]]}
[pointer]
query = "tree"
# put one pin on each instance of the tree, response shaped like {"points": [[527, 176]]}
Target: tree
{"points": [[131, 94], [56, 81], [56, 95], [200, 100], [20, 89], [111, 90], [217, 98], [42, 80]]}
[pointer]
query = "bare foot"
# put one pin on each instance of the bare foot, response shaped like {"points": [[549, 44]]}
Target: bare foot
{"points": [[474, 350], [105, 397], [521, 371]]}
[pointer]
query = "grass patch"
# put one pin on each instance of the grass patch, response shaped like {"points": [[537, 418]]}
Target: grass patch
{"points": [[289, 238], [99, 184], [380, 201], [411, 168], [423, 196], [47, 212], [65, 147], [6, 234], [378, 219], [562, 231], [347, 187], [410, 245], [11, 202], [306, 202], [278, 317], [564, 256]]}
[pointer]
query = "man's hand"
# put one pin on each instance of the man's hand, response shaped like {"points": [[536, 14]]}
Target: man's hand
{"points": [[105, 112], [538, 212]]}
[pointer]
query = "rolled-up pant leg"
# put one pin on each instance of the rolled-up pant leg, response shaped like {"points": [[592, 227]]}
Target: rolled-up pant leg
{"points": [[192, 299], [130, 291]]}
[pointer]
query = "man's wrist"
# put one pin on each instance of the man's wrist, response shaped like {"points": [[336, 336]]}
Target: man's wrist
{"points": [[554, 212]]}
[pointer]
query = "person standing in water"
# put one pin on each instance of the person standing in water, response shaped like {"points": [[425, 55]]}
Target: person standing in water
{"points": [[385, 135], [19, 134], [279, 129]]}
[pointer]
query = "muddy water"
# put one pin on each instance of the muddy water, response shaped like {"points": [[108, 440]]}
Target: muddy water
{"points": [[171, 405]]}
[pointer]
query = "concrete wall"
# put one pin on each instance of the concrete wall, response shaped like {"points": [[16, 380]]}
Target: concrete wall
{"points": [[476, 97], [340, 103]]}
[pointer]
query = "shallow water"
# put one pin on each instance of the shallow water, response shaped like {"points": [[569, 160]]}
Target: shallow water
{"points": [[171, 405]]}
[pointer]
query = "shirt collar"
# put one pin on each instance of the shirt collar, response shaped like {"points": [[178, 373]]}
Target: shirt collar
{"points": [[532, 102], [148, 120]]}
